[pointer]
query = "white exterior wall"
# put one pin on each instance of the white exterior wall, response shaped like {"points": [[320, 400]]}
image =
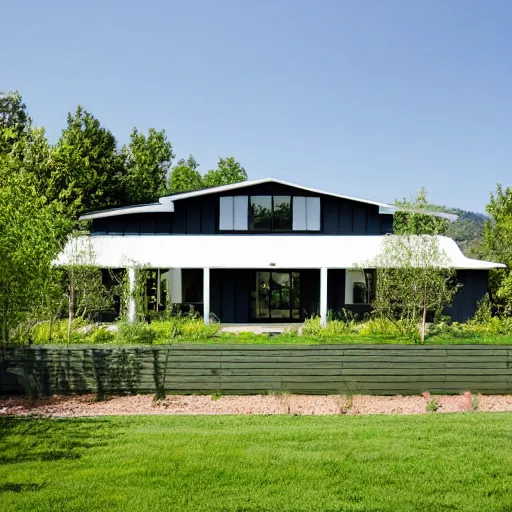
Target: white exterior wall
{"points": [[243, 251]]}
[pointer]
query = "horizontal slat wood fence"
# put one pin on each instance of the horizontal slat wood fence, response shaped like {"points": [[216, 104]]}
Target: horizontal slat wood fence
{"points": [[247, 369]]}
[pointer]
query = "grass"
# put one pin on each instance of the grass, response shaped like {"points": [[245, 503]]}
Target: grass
{"points": [[263, 463], [193, 330], [356, 339]]}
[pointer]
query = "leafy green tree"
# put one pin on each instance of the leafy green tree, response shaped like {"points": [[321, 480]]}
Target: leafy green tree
{"points": [[147, 160], [228, 171], [412, 279], [14, 120], [185, 176], [87, 169], [498, 246], [29, 240], [25, 143], [35, 154], [405, 223], [86, 292]]}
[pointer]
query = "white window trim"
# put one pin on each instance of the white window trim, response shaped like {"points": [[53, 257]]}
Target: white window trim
{"points": [[306, 213], [230, 208]]}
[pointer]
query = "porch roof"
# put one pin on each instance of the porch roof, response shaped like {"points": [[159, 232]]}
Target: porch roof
{"points": [[240, 251]]}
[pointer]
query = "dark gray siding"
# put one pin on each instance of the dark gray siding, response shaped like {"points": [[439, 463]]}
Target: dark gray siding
{"points": [[200, 215], [310, 292], [230, 295], [474, 287], [386, 223], [335, 289]]}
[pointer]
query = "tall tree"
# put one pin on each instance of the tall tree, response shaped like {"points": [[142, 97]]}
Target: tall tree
{"points": [[498, 246], [413, 279], [87, 169], [36, 158], [14, 119], [405, 223], [185, 176], [228, 171], [30, 237], [147, 160]]}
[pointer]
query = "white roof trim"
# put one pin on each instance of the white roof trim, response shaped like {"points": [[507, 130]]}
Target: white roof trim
{"points": [[393, 209], [166, 203], [247, 183], [223, 251], [160, 207]]}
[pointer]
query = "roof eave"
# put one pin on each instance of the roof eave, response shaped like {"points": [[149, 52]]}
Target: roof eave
{"points": [[247, 183], [167, 207]]}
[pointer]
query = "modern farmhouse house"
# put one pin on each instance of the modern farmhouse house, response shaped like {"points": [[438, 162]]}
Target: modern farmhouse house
{"points": [[260, 251]]}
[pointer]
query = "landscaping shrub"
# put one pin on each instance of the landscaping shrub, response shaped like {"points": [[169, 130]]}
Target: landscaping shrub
{"points": [[40, 333], [196, 329], [334, 328], [101, 335], [379, 326], [138, 332], [473, 328], [433, 404], [184, 327]]}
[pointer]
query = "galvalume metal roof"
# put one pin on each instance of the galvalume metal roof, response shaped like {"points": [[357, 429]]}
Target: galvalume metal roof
{"points": [[241, 251], [166, 204]]}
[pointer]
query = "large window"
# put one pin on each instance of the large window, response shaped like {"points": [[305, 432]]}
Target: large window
{"points": [[275, 296], [270, 213], [363, 292], [192, 285]]}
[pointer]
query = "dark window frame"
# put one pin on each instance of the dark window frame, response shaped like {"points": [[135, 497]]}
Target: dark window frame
{"points": [[294, 294], [273, 229], [367, 288]]}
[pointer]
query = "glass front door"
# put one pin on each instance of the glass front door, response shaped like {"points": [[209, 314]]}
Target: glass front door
{"points": [[275, 296]]}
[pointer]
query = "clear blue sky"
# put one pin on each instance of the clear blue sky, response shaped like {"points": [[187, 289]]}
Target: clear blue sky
{"points": [[366, 98]]}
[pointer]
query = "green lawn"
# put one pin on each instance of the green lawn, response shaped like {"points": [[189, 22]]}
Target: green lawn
{"points": [[357, 339], [345, 339], [229, 463]]}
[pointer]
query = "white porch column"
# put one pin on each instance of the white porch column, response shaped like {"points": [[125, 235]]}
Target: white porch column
{"points": [[175, 286], [206, 295], [131, 299], [323, 296]]}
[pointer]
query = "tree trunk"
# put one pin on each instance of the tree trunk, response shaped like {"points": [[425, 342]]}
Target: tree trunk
{"points": [[5, 329], [71, 308], [424, 317]]}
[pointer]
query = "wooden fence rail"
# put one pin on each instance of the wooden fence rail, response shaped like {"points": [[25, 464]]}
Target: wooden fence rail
{"points": [[248, 369]]}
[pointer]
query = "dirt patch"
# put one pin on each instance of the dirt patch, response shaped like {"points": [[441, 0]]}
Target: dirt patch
{"points": [[86, 405]]}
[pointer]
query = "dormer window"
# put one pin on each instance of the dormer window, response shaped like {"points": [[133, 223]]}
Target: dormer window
{"points": [[270, 213]]}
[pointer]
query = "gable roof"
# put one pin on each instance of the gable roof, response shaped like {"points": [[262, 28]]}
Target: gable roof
{"points": [[250, 183], [166, 203]]}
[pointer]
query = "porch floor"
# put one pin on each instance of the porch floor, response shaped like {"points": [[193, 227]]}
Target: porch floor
{"points": [[261, 328]]}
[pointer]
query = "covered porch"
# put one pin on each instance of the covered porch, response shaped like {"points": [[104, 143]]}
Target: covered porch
{"points": [[264, 278], [269, 296]]}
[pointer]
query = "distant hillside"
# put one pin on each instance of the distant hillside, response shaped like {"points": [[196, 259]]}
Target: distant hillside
{"points": [[467, 230]]}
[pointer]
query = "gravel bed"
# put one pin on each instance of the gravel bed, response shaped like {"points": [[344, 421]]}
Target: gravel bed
{"points": [[86, 405]]}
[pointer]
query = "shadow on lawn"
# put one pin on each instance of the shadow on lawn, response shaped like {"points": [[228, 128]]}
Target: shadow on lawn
{"points": [[36, 439], [11, 487]]}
